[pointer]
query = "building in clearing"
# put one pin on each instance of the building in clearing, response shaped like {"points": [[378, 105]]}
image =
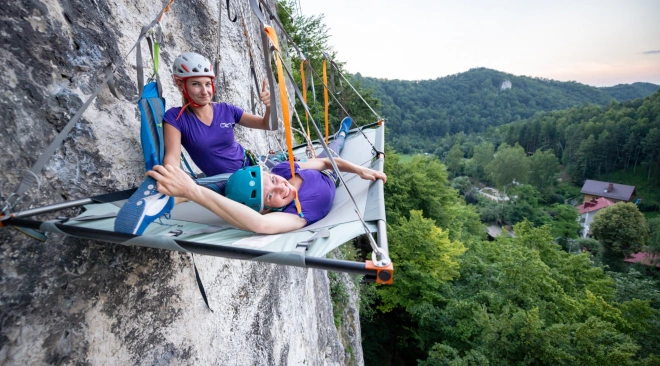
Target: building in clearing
{"points": [[612, 191], [589, 209]]}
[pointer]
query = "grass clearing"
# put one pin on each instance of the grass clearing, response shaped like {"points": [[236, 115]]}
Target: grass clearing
{"points": [[407, 158]]}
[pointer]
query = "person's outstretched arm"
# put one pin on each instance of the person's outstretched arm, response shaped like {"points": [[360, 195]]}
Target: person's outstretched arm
{"points": [[344, 166], [258, 122], [173, 181]]}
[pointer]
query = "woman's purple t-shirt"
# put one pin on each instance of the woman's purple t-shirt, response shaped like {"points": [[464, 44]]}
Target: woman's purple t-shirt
{"points": [[315, 194], [213, 148]]}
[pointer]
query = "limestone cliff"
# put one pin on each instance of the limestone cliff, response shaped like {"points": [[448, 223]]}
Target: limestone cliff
{"points": [[72, 301]]}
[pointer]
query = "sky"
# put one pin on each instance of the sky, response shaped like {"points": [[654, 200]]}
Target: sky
{"points": [[599, 43]]}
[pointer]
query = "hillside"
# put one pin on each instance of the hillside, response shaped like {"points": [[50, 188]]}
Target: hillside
{"points": [[623, 92], [421, 111]]}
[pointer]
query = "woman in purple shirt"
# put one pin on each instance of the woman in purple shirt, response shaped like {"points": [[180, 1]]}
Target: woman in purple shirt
{"points": [[274, 213], [206, 129]]}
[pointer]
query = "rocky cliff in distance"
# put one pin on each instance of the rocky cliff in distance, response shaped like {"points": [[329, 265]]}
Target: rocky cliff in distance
{"points": [[73, 302]]}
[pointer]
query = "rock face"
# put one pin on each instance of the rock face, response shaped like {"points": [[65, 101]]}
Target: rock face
{"points": [[73, 301]]}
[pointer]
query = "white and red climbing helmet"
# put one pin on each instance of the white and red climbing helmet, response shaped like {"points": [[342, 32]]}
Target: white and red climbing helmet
{"points": [[191, 64]]}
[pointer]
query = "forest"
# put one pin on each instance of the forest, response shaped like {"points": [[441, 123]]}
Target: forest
{"points": [[472, 101], [619, 140], [543, 296]]}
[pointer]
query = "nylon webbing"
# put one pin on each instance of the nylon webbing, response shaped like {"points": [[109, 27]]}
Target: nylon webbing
{"points": [[304, 91], [284, 100], [345, 111], [216, 61], [253, 72], [356, 92], [199, 283], [229, 15], [267, 62], [325, 100], [29, 178], [374, 246], [311, 152]]}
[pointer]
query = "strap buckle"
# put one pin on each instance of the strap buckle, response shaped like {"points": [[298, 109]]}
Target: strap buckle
{"points": [[305, 244]]}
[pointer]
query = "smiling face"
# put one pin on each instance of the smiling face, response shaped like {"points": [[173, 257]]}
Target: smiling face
{"points": [[277, 191], [200, 89]]}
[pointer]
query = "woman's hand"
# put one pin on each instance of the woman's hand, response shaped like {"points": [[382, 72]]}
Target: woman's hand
{"points": [[372, 175], [265, 94], [173, 181]]}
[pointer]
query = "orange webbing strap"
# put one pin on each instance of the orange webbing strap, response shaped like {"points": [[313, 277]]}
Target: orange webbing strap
{"points": [[167, 8], [325, 99], [284, 99], [304, 91]]}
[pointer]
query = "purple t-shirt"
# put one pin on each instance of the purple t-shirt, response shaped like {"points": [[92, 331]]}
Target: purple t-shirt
{"points": [[213, 148], [315, 194]]}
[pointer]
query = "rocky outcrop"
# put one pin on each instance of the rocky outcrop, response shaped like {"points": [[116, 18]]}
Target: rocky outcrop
{"points": [[73, 301]]}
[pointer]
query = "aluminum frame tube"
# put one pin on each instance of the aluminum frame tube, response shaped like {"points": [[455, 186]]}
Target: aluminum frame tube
{"points": [[199, 248]]}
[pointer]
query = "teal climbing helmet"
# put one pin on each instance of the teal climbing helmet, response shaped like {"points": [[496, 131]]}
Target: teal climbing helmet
{"points": [[244, 186]]}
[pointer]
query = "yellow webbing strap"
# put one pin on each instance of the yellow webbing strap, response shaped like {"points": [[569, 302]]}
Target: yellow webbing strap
{"points": [[155, 56], [325, 99], [284, 100], [304, 91]]}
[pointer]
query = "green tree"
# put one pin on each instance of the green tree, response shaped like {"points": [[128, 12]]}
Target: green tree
{"points": [[454, 159], [564, 221], [544, 171], [510, 164], [482, 156], [621, 228], [425, 258], [653, 243], [524, 205], [461, 184]]}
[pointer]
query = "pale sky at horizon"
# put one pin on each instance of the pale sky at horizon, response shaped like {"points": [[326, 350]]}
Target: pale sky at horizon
{"points": [[599, 43]]}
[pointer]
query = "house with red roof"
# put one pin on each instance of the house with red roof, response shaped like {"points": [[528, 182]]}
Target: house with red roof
{"points": [[588, 210], [644, 258], [612, 191]]}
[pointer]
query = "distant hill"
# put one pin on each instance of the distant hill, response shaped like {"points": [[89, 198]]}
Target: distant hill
{"points": [[623, 92], [421, 111]]}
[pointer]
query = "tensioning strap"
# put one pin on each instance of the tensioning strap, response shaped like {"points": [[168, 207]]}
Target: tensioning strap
{"points": [[325, 100], [372, 242], [344, 109], [229, 15], [267, 62], [284, 99], [216, 59], [304, 91]]}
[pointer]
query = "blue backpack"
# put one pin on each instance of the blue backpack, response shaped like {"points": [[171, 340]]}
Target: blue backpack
{"points": [[152, 110]]}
